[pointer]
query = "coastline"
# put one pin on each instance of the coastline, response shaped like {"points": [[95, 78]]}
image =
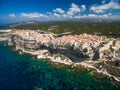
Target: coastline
{"points": [[85, 66], [26, 45], [47, 71]]}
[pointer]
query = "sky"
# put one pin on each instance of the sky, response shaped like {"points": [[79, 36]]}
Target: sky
{"points": [[45, 10]]}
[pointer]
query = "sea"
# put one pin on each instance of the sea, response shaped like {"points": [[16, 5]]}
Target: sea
{"points": [[26, 72], [4, 26]]}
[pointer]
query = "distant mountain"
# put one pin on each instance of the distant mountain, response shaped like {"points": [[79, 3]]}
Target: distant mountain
{"points": [[25, 23], [35, 22]]}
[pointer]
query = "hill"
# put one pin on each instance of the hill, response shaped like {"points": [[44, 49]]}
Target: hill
{"points": [[110, 28]]}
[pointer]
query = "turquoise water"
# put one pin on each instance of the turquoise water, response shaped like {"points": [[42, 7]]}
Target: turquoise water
{"points": [[24, 72]]}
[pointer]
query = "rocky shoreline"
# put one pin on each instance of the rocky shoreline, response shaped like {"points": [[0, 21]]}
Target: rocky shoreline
{"points": [[85, 66], [101, 63]]}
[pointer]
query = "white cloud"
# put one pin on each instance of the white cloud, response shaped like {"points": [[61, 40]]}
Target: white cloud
{"points": [[86, 16], [109, 14], [59, 10], [32, 15], [92, 15], [74, 12], [80, 16], [96, 16], [103, 1], [104, 7], [83, 7], [12, 15], [73, 9], [70, 13], [49, 13], [56, 15]]}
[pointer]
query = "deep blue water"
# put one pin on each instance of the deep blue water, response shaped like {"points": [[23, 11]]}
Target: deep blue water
{"points": [[23, 72], [3, 26]]}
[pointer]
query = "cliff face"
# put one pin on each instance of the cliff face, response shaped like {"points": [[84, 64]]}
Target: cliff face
{"points": [[66, 45], [32, 45], [64, 53], [4, 35], [19, 42], [117, 43]]}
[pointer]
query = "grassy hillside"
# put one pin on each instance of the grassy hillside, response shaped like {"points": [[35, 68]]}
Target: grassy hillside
{"points": [[76, 27]]}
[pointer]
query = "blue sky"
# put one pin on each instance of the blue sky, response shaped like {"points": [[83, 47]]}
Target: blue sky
{"points": [[46, 10]]}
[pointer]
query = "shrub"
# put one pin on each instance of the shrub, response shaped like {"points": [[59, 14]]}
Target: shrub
{"points": [[85, 50], [112, 50]]}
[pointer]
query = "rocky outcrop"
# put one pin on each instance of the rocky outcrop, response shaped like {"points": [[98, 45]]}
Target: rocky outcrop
{"points": [[96, 55], [19, 42], [4, 35], [69, 53], [74, 49], [117, 43], [32, 45]]}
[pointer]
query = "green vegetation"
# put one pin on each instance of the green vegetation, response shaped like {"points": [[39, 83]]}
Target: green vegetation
{"points": [[112, 50], [94, 49], [110, 28], [71, 47], [85, 50]]}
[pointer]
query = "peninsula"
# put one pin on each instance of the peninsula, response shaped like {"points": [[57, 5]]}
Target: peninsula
{"points": [[97, 53]]}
